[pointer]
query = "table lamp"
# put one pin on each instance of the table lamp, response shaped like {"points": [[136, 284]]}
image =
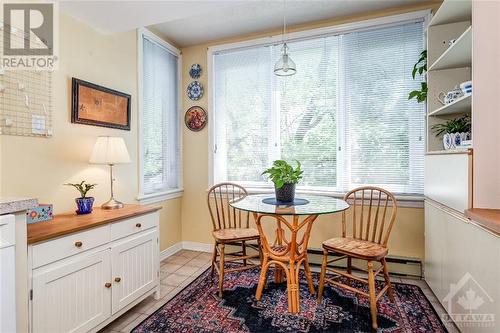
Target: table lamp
{"points": [[110, 150]]}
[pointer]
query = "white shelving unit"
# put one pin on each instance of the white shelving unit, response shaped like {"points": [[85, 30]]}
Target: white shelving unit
{"points": [[461, 105], [452, 11], [459, 54], [448, 65]]}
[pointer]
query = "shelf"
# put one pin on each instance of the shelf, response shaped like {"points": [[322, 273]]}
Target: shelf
{"points": [[452, 11], [451, 151], [457, 55], [461, 105]]}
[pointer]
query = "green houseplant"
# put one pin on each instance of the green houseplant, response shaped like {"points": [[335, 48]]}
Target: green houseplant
{"points": [[457, 125], [84, 204], [420, 67], [284, 177], [453, 131]]}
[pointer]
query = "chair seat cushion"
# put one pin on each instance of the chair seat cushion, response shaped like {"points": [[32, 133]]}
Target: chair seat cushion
{"points": [[234, 234], [356, 248]]}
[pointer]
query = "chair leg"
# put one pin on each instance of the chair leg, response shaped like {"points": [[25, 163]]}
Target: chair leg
{"points": [[221, 269], [387, 280], [244, 251], [262, 278], [321, 285], [349, 265], [214, 258], [371, 289]]}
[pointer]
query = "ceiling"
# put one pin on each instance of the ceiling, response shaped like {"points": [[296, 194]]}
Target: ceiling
{"points": [[192, 22]]}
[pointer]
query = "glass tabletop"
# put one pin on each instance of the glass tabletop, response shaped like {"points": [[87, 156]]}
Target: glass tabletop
{"points": [[315, 205]]}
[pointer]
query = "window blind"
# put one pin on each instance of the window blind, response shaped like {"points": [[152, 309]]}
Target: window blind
{"points": [[159, 119], [345, 114], [384, 131]]}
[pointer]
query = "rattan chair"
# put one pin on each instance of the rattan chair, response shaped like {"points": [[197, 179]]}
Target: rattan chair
{"points": [[230, 227], [371, 226]]}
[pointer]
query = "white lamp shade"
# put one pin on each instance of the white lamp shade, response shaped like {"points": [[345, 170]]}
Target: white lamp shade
{"points": [[109, 150]]}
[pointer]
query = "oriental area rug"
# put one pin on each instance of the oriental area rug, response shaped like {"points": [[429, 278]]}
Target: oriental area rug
{"points": [[197, 308]]}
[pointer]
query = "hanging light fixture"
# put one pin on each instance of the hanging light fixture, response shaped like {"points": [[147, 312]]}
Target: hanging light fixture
{"points": [[285, 65]]}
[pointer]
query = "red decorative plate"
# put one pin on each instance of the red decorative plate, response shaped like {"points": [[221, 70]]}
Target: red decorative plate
{"points": [[195, 118]]}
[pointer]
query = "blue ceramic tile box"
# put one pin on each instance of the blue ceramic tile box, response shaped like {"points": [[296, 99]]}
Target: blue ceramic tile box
{"points": [[40, 213]]}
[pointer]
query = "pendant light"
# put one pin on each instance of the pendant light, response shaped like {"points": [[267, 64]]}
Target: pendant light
{"points": [[285, 65]]}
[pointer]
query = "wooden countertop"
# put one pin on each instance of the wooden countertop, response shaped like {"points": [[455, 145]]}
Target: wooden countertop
{"points": [[486, 218], [67, 223]]}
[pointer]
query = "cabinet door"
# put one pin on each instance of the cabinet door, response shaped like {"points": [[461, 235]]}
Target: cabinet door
{"points": [[135, 268], [72, 297], [434, 247]]}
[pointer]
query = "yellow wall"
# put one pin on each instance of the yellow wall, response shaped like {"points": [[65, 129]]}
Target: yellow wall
{"points": [[408, 235], [37, 167]]}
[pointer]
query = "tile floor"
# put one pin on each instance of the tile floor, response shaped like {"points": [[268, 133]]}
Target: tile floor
{"points": [[180, 269]]}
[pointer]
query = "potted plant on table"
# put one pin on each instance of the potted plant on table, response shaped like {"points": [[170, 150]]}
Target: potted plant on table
{"points": [[454, 131], [284, 177], [83, 203]]}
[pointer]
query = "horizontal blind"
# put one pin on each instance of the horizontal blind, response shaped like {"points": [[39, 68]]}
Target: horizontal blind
{"points": [[159, 119], [384, 131], [307, 107], [344, 115], [243, 103]]}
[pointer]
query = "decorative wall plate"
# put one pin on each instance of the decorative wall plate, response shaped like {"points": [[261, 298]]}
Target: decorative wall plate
{"points": [[195, 90], [195, 71], [195, 118]]}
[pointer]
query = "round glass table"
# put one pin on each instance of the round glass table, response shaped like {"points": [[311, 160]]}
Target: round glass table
{"points": [[287, 253]]}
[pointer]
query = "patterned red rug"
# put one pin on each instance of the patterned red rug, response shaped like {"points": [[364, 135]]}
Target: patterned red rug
{"points": [[197, 308]]}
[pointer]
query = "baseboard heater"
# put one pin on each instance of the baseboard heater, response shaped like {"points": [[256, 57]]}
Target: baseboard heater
{"points": [[398, 266]]}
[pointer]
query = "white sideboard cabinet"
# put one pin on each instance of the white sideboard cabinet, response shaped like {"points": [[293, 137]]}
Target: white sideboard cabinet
{"points": [[82, 280]]}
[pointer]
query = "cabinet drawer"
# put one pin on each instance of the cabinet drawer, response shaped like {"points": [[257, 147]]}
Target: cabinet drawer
{"points": [[56, 249], [133, 225]]}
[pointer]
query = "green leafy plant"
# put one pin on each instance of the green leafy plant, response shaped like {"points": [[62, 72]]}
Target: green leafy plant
{"points": [[457, 125], [282, 173], [82, 187], [420, 67]]}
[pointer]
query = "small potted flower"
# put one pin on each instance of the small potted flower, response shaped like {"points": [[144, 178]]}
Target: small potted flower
{"points": [[284, 177], [83, 203]]}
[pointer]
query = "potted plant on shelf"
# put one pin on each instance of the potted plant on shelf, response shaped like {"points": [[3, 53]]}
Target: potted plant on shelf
{"points": [[454, 131], [284, 177], [83, 203]]}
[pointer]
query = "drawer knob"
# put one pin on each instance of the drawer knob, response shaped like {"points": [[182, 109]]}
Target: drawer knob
{"points": [[138, 225], [107, 285], [78, 244], [118, 279]]}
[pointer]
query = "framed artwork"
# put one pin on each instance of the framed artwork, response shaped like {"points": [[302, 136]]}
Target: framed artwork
{"points": [[195, 118], [92, 104]]}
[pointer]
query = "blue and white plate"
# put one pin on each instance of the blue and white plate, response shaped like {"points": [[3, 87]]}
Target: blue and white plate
{"points": [[195, 90], [195, 71]]}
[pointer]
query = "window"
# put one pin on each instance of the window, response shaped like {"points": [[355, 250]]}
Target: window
{"points": [[345, 115], [159, 117]]}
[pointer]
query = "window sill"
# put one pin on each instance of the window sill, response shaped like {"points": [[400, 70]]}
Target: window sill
{"points": [[145, 199], [404, 200]]}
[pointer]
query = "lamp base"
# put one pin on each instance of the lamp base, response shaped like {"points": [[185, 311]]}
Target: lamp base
{"points": [[112, 204]]}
